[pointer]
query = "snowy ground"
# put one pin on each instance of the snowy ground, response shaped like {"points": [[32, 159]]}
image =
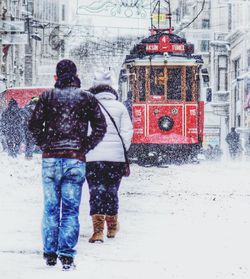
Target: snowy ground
{"points": [[181, 222]]}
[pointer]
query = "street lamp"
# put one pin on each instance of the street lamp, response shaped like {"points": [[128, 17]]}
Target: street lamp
{"points": [[36, 37]]}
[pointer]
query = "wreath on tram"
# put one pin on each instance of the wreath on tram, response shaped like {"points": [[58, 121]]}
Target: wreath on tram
{"points": [[165, 123]]}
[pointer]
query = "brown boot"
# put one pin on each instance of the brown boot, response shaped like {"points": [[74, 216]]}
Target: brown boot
{"points": [[98, 226], [113, 225]]}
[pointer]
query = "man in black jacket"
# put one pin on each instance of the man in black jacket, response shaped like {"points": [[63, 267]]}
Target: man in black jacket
{"points": [[59, 125]]}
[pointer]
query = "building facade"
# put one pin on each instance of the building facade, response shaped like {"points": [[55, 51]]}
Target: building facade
{"points": [[217, 36], [32, 39], [46, 45], [239, 41], [12, 42]]}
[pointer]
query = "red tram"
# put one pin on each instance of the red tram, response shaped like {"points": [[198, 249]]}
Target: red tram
{"points": [[163, 75]]}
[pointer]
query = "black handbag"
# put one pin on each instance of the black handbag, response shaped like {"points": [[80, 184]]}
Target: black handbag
{"points": [[126, 172]]}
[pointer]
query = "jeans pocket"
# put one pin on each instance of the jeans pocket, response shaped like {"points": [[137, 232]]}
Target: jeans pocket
{"points": [[49, 168], [74, 170]]}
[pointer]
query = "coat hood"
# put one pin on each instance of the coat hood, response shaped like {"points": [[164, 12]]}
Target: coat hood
{"points": [[103, 88]]}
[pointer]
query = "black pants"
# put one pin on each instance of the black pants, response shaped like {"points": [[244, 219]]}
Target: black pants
{"points": [[104, 179], [13, 145]]}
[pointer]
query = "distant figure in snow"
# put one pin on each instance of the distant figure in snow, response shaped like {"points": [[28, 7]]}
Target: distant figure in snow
{"points": [[11, 124], [217, 152], [28, 138], [209, 152], [105, 164], [233, 141], [2, 137], [59, 124]]}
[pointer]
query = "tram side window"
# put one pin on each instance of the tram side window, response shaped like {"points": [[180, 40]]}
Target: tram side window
{"points": [[174, 84], [142, 84], [189, 80], [157, 81]]}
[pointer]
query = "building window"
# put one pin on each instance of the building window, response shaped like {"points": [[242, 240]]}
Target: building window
{"points": [[237, 92], [204, 46], [63, 12], [178, 15], [236, 65], [205, 24], [238, 120], [247, 86], [189, 81], [248, 60], [222, 73], [157, 81]]}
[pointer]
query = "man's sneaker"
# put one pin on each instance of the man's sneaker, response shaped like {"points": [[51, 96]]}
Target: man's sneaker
{"points": [[50, 258], [67, 263]]}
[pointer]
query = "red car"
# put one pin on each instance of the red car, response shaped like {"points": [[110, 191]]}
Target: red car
{"points": [[21, 94]]}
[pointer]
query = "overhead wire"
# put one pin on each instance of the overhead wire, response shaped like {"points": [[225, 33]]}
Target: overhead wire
{"points": [[202, 8]]}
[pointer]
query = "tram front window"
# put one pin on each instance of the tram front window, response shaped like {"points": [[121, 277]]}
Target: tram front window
{"points": [[189, 80], [174, 84], [157, 82], [142, 84]]}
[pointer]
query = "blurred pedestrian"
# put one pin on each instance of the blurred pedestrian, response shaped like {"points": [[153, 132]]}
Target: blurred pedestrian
{"points": [[11, 125], [209, 152], [217, 152], [233, 141], [28, 138], [105, 164], [59, 125], [2, 137]]}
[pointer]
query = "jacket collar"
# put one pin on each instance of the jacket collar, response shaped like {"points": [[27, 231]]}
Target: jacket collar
{"points": [[68, 81], [103, 88]]}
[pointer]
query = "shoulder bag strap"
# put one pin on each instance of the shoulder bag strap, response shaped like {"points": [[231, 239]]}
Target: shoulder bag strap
{"points": [[113, 121]]}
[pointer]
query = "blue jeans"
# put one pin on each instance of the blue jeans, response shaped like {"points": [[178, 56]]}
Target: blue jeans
{"points": [[62, 186]]}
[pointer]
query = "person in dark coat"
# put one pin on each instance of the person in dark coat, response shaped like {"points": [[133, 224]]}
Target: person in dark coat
{"points": [[2, 137], [59, 125], [233, 141], [28, 138], [11, 123]]}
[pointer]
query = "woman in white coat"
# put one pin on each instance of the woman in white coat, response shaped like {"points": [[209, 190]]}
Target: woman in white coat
{"points": [[105, 164]]}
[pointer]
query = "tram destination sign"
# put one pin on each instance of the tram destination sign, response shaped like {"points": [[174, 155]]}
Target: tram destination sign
{"points": [[11, 26], [165, 45]]}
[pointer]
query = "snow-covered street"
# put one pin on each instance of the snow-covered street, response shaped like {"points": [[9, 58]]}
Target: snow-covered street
{"points": [[190, 221]]}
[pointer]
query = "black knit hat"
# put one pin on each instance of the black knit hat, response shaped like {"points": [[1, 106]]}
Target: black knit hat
{"points": [[65, 66]]}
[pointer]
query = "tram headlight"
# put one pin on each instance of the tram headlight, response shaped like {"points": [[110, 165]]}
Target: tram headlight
{"points": [[165, 123]]}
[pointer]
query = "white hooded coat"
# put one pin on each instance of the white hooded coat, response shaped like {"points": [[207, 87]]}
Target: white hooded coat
{"points": [[110, 148]]}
